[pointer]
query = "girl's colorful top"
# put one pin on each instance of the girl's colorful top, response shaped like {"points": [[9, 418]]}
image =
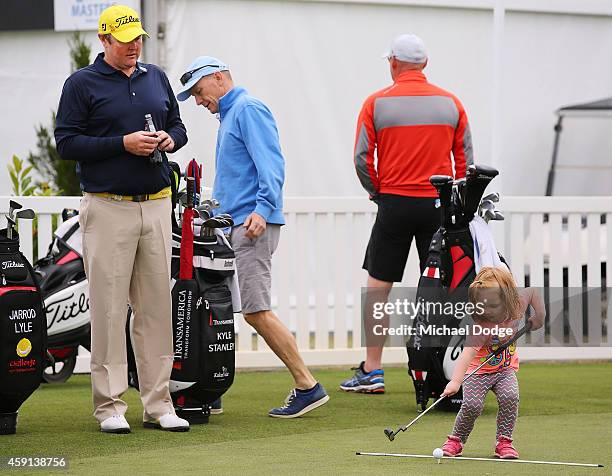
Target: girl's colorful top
{"points": [[489, 343]]}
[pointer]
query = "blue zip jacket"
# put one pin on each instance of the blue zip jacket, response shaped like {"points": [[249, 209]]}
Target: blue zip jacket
{"points": [[250, 166]]}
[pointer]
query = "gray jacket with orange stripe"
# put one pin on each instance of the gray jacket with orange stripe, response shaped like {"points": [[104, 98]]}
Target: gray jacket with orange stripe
{"points": [[410, 129]]}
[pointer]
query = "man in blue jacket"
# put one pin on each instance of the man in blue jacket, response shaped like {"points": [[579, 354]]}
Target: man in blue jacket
{"points": [[250, 172], [125, 216]]}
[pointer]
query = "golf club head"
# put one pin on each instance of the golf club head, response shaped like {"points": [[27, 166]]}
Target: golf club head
{"points": [[389, 434], [221, 221], [444, 186], [487, 205], [14, 205], [489, 215], [203, 211], [493, 197], [27, 214], [68, 213], [477, 177], [498, 216]]}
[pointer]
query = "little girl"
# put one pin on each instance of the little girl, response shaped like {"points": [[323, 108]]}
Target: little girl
{"points": [[502, 305]]}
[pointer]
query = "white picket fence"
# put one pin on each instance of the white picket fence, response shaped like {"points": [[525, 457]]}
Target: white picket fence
{"points": [[317, 276]]}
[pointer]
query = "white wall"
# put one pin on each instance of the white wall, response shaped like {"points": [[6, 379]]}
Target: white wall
{"points": [[314, 62], [33, 68], [552, 61]]}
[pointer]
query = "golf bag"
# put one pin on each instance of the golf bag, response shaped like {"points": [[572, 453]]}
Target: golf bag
{"points": [[204, 339], [203, 307], [22, 331], [449, 270], [61, 275]]}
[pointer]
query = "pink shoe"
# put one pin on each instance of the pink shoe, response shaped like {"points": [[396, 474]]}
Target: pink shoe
{"points": [[504, 448], [452, 447]]}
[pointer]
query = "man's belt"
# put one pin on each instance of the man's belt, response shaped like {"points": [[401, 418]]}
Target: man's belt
{"points": [[166, 192]]}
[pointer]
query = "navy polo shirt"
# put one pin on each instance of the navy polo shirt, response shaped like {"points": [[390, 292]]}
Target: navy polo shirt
{"points": [[98, 106]]}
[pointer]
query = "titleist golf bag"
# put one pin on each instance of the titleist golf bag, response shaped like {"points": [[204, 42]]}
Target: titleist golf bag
{"points": [[22, 330], [449, 271], [61, 275]]}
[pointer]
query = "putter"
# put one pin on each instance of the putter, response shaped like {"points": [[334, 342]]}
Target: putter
{"points": [[389, 433]]}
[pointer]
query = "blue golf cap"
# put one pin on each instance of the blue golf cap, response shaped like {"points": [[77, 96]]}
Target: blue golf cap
{"points": [[200, 67]]}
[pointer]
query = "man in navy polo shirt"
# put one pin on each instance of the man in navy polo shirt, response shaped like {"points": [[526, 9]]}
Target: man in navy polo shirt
{"points": [[125, 215]]}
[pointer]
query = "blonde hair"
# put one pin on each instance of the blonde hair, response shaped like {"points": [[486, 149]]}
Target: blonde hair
{"points": [[491, 277]]}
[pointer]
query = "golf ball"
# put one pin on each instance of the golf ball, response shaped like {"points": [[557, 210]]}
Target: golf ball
{"points": [[437, 453]]}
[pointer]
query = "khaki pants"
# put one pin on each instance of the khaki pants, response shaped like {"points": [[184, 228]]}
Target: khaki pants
{"points": [[127, 252]]}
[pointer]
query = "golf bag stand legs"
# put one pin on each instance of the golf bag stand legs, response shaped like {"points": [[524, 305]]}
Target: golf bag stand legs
{"points": [[191, 409]]}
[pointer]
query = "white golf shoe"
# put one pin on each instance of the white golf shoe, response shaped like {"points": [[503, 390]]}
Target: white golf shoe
{"points": [[168, 422], [115, 424]]}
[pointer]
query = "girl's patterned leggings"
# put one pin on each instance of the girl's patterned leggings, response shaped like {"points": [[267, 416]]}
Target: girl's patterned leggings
{"points": [[505, 387]]}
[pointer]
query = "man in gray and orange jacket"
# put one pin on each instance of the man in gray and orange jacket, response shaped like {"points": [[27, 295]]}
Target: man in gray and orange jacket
{"points": [[406, 133]]}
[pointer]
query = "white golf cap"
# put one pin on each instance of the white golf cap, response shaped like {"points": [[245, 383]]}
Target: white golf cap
{"points": [[409, 48]]}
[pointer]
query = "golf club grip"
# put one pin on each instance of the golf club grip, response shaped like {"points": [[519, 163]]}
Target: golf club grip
{"points": [[515, 337], [190, 191]]}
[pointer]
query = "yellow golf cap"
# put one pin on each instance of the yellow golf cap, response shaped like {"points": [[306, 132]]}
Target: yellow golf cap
{"points": [[122, 22]]}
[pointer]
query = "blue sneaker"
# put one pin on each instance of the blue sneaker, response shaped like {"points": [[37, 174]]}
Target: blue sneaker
{"points": [[216, 407], [299, 402], [362, 382]]}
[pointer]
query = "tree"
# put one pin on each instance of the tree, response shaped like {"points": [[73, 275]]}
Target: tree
{"points": [[59, 174]]}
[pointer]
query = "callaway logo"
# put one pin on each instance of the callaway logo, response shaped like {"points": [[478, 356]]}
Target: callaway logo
{"points": [[11, 264], [223, 374], [22, 366], [66, 308], [199, 302]]}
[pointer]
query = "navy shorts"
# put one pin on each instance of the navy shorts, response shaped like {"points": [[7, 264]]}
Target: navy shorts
{"points": [[398, 221]]}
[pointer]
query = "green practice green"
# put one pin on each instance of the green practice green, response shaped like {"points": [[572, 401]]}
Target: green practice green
{"points": [[565, 415]]}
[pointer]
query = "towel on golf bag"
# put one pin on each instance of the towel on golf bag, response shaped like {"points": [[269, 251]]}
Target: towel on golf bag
{"points": [[485, 251], [23, 331]]}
